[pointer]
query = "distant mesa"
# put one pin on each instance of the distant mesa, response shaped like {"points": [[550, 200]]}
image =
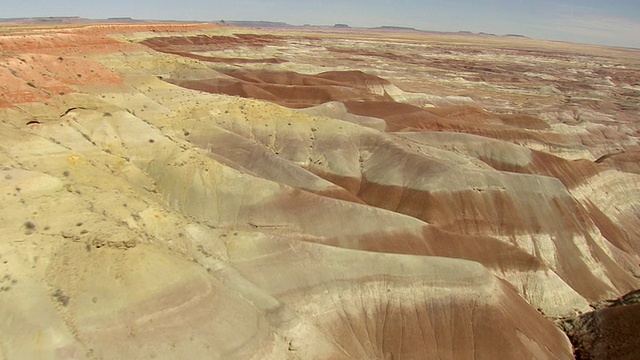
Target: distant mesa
{"points": [[67, 20], [57, 18], [46, 20], [259, 24], [122, 19], [239, 23], [466, 32], [395, 28]]}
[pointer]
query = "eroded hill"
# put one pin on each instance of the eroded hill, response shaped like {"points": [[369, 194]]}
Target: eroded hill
{"points": [[192, 191]]}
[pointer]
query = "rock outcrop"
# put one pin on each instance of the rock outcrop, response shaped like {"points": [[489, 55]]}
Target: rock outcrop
{"points": [[609, 332]]}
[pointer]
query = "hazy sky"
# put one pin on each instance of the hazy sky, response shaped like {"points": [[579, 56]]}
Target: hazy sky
{"points": [[610, 22]]}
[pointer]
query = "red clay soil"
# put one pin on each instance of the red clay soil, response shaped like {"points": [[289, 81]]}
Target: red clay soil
{"points": [[353, 79], [82, 40], [37, 64], [65, 42], [628, 161], [612, 232], [468, 119], [38, 77], [215, 59], [571, 173], [88, 38], [292, 89], [186, 44]]}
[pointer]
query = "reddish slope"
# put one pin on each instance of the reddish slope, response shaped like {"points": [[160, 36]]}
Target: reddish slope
{"points": [[292, 89]]}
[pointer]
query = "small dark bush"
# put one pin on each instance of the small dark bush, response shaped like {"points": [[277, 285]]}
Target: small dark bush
{"points": [[29, 225], [61, 297]]}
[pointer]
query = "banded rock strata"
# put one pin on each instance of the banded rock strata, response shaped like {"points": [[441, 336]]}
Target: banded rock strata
{"points": [[178, 191]]}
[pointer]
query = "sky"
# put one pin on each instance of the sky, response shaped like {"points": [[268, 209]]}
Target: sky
{"points": [[606, 22]]}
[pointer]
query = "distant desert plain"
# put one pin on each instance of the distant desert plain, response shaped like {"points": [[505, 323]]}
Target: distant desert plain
{"points": [[205, 191]]}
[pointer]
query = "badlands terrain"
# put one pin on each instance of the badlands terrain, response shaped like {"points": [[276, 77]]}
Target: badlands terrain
{"points": [[192, 191]]}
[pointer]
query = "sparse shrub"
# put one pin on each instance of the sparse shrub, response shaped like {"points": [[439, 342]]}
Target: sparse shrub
{"points": [[61, 297], [29, 225]]}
